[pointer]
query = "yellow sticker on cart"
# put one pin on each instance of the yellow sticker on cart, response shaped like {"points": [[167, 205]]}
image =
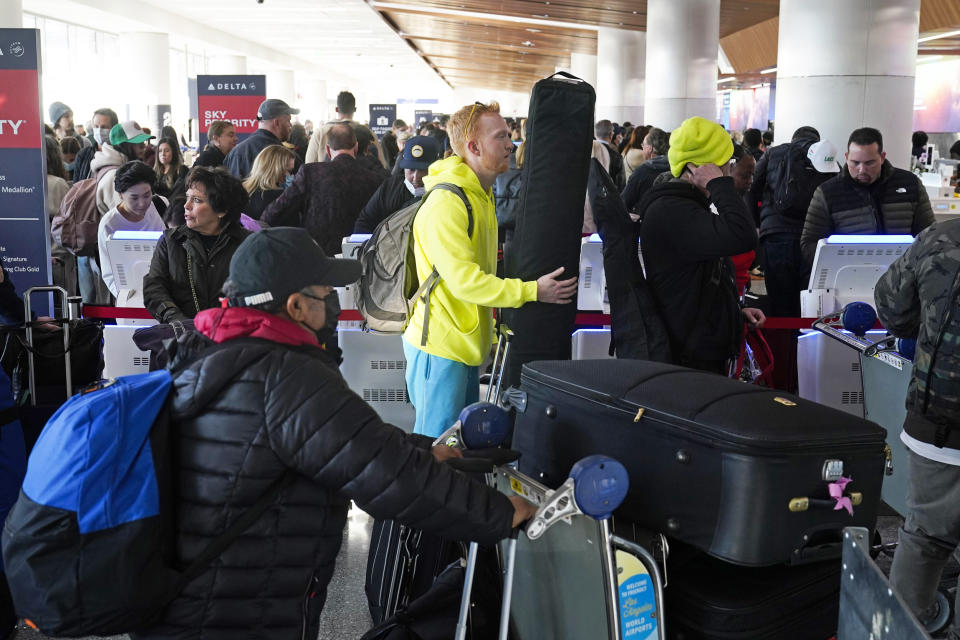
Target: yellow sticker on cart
{"points": [[516, 486]]}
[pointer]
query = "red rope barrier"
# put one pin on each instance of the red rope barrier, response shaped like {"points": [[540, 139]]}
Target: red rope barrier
{"points": [[352, 315], [112, 313]]}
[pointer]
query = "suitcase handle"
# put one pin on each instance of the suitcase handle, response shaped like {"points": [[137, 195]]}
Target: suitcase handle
{"points": [[799, 505], [567, 75], [28, 315]]}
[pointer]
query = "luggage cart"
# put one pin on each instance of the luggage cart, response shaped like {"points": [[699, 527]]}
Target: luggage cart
{"points": [[568, 575], [885, 375], [869, 608]]}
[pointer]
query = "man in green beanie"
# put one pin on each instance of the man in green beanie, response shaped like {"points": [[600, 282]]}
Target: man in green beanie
{"points": [[690, 226]]}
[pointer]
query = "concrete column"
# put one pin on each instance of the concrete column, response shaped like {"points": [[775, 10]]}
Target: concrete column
{"points": [[683, 38], [846, 65], [314, 104], [584, 66], [145, 65], [621, 66], [281, 85], [11, 14], [228, 65]]}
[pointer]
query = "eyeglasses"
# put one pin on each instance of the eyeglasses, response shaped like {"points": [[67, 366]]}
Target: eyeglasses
{"points": [[470, 117], [310, 295]]}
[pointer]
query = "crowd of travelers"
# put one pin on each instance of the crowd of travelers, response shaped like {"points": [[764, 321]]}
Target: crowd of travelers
{"points": [[249, 228]]}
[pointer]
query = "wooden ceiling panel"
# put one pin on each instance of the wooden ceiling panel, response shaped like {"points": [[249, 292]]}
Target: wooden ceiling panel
{"points": [[753, 48], [470, 41], [939, 15], [455, 29], [736, 15], [619, 14]]}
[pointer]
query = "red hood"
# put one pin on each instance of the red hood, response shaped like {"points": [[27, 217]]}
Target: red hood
{"points": [[221, 325]]}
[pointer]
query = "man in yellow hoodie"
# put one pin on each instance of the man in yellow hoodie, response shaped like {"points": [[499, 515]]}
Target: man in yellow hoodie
{"points": [[442, 373]]}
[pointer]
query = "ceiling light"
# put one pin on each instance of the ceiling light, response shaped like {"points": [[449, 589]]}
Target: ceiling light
{"points": [[533, 30], [770, 70], [756, 86], [937, 36], [722, 80], [927, 59], [526, 43]]}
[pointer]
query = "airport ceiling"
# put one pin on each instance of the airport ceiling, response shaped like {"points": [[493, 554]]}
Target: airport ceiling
{"points": [[502, 44], [520, 41]]}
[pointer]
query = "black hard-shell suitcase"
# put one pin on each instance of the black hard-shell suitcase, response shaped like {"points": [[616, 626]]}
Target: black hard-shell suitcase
{"points": [[550, 217], [402, 565], [708, 599], [733, 469]]}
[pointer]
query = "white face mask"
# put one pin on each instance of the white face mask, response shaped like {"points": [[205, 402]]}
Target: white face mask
{"points": [[419, 191], [102, 136]]}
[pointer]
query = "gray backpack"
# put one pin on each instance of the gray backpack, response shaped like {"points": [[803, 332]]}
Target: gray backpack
{"points": [[389, 286]]}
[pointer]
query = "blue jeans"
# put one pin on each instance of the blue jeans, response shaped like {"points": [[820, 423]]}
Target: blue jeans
{"points": [[92, 287], [439, 389]]}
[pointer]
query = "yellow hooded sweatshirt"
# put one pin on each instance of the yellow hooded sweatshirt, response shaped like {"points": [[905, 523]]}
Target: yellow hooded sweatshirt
{"points": [[461, 305]]}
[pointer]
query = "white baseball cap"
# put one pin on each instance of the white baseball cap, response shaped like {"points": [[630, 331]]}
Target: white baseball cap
{"points": [[823, 156]]}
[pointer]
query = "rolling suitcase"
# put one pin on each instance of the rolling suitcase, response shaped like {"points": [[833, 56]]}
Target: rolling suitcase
{"points": [[402, 565], [550, 218], [713, 600], [45, 366], [750, 475]]}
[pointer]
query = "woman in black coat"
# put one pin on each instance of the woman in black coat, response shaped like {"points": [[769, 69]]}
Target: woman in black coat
{"points": [[191, 262], [272, 172]]}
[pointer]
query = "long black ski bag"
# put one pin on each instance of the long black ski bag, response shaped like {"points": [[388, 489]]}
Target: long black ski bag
{"points": [[550, 219], [739, 471]]}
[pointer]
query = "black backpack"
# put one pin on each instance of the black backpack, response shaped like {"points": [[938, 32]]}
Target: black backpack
{"points": [[636, 328], [792, 179]]}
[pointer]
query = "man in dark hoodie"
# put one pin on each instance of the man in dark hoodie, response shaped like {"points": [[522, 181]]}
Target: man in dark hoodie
{"points": [[690, 226]]}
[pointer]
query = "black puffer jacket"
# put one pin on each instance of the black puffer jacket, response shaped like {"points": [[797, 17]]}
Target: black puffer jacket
{"points": [[248, 413], [169, 292], [896, 203]]}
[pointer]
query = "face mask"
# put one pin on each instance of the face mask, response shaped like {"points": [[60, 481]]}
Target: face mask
{"points": [[287, 181], [102, 136], [69, 165], [419, 191]]}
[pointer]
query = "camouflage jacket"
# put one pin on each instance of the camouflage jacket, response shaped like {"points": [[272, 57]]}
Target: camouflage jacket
{"points": [[918, 297]]}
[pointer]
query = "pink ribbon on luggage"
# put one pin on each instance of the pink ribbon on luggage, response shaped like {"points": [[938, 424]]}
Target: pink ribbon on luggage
{"points": [[836, 492]]}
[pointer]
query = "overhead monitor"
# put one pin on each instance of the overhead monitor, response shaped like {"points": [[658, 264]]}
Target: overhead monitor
{"points": [[850, 265]]}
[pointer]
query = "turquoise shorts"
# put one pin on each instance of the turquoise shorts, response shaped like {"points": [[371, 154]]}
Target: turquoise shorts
{"points": [[439, 389]]}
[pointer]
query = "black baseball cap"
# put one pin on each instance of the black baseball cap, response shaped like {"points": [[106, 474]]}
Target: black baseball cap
{"points": [[420, 152], [273, 263], [272, 108]]}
